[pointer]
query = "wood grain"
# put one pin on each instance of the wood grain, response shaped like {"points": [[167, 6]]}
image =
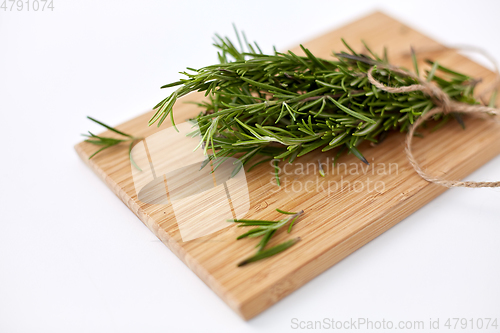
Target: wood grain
{"points": [[340, 216]]}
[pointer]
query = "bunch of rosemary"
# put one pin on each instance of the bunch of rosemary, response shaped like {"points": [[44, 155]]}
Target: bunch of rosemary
{"points": [[284, 106]]}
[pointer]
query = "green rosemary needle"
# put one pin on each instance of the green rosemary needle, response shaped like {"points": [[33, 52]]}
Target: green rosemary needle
{"points": [[270, 252], [320, 168], [284, 106], [266, 229], [107, 142]]}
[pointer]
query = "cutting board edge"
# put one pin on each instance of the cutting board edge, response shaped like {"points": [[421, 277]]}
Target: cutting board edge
{"points": [[256, 304], [162, 235]]}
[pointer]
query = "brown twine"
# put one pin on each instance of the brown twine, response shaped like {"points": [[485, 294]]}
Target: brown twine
{"points": [[444, 105]]}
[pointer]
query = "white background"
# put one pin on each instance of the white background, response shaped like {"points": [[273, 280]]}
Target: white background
{"points": [[73, 258]]}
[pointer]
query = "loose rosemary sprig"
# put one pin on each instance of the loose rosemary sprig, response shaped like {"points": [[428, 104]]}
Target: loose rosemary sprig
{"points": [[107, 142], [266, 229], [284, 106]]}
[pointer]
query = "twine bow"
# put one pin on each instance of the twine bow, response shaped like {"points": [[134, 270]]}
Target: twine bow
{"points": [[444, 105]]}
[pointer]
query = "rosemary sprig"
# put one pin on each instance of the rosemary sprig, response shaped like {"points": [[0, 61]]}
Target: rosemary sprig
{"points": [[266, 229], [284, 106], [107, 142]]}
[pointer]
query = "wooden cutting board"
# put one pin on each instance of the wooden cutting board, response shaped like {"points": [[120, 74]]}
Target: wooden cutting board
{"points": [[342, 211]]}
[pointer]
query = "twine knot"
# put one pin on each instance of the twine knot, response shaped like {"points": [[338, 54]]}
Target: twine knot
{"points": [[445, 105]]}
